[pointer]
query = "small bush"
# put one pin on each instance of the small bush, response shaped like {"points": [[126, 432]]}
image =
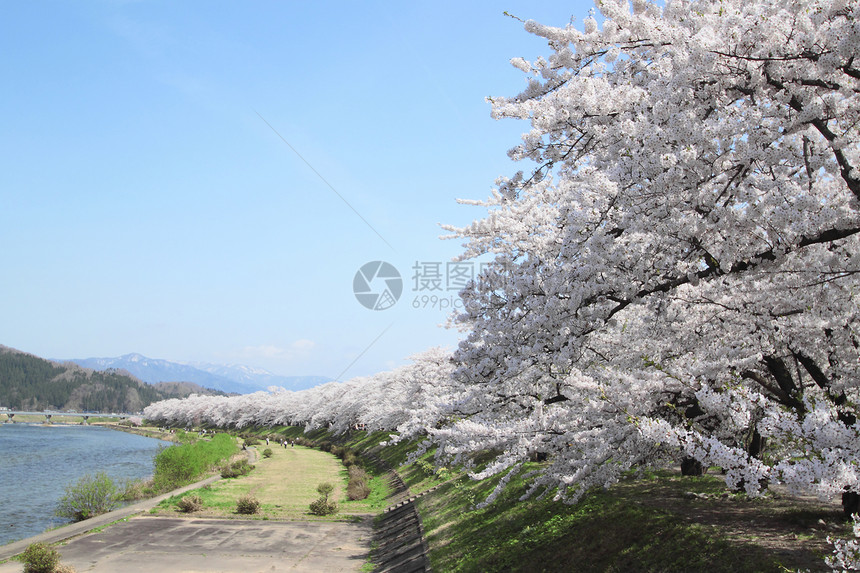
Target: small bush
{"points": [[358, 473], [236, 469], [357, 487], [40, 558], [190, 503], [247, 505], [251, 441], [322, 505], [267, 453], [136, 490], [357, 490], [90, 496]]}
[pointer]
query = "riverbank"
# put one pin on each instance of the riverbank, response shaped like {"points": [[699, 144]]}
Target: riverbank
{"points": [[72, 530], [39, 462], [143, 538], [146, 431]]}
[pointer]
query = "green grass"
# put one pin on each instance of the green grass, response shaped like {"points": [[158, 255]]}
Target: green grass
{"points": [[628, 528], [285, 484], [375, 502], [181, 464], [358, 441]]}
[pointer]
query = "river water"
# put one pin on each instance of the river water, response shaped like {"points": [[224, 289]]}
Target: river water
{"points": [[38, 462]]}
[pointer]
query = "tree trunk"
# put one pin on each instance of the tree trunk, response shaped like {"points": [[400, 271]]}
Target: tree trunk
{"points": [[691, 467], [850, 503], [756, 445]]}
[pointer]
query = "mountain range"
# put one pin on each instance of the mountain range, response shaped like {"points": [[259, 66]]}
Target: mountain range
{"points": [[28, 382], [233, 378]]}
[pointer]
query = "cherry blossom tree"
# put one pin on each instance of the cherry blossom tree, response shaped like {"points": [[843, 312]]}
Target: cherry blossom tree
{"points": [[406, 399], [677, 274]]}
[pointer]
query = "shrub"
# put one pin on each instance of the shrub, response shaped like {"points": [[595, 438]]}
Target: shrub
{"points": [[357, 487], [358, 473], [267, 453], [92, 495], [357, 490], [247, 505], [322, 505], [190, 503], [136, 489], [180, 465], [251, 441], [236, 469], [40, 558]]}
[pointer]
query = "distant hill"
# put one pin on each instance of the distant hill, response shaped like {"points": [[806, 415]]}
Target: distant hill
{"points": [[153, 370], [231, 379], [28, 382], [261, 379]]}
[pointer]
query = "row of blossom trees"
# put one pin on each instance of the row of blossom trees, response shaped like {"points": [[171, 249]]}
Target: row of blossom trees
{"points": [[678, 272], [407, 398]]}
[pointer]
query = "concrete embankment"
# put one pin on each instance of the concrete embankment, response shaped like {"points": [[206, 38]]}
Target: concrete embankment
{"points": [[399, 535]]}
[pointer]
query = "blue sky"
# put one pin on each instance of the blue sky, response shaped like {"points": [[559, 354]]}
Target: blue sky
{"points": [[150, 200]]}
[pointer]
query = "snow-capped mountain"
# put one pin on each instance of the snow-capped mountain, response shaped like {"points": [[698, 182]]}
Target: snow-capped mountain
{"points": [[232, 378], [258, 377]]}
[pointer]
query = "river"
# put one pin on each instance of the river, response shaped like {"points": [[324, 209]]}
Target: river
{"points": [[38, 462]]}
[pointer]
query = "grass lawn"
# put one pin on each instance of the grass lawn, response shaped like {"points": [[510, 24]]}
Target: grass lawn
{"points": [[285, 485], [664, 523]]}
